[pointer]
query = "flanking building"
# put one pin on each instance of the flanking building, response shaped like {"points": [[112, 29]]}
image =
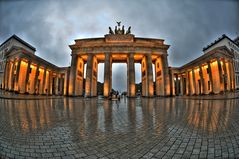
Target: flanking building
{"points": [[215, 71], [22, 71]]}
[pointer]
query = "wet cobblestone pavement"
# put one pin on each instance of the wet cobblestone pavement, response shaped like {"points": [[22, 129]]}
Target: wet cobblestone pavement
{"points": [[131, 128]]}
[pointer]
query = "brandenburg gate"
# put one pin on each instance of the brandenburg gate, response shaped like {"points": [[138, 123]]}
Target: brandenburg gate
{"points": [[119, 46]]}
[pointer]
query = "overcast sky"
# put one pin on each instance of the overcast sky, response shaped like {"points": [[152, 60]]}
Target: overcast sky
{"points": [[51, 25]]}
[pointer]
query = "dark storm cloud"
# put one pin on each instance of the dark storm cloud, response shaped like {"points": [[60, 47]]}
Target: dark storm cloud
{"points": [[186, 25]]}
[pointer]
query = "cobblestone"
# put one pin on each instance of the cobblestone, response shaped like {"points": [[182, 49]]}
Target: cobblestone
{"points": [[131, 128]]}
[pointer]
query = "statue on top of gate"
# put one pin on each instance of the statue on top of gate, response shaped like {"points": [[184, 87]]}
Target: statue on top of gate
{"points": [[119, 30]]}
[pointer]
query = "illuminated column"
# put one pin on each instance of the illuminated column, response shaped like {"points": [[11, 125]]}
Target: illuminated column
{"points": [[94, 77], [73, 73], [88, 81], [56, 84], [66, 81], [231, 72], [16, 87], [6, 73], [27, 76], [182, 85], [194, 82], [36, 90], [188, 83], [177, 85], [49, 92], [202, 80], [210, 76], [225, 79], [131, 76], [165, 74], [44, 82], [107, 75], [220, 74], [13, 75], [149, 76], [171, 82]]}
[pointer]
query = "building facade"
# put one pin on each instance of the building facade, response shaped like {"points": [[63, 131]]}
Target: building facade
{"points": [[214, 72], [24, 72], [233, 46]]}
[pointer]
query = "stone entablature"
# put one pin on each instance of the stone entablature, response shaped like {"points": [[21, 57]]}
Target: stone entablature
{"points": [[137, 42]]}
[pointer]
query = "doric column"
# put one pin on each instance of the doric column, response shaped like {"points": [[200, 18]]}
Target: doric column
{"points": [[107, 75], [56, 84], [225, 76], [89, 70], [220, 73], [165, 74], [202, 81], [210, 76], [73, 73], [13, 75], [6, 72], [36, 90], [188, 83], [177, 85], [66, 81], [182, 85], [16, 87], [194, 82], [131, 76], [150, 86], [231, 72], [49, 84], [44, 81], [27, 76]]}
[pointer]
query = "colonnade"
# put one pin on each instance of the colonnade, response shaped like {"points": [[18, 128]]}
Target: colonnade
{"points": [[23, 75], [212, 77], [76, 87]]}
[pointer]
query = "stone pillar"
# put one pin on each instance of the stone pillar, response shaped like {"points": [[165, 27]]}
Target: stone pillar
{"points": [[231, 72], [49, 87], [194, 82], [107, 75], [220, 74], [182, 84], [44, 81], [13, 75], [27, 76], [36, 90], [73, 73], [188, 83], [131, 76], [89, 70], [225, 76], [210, 77], [203, 91], [66, 81], [16, 87], [6, 74], [171, 82], [177, 86], [149, 76], [56, 84], [165, 74]]}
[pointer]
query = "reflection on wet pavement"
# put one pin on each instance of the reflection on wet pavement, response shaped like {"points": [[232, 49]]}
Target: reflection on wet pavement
{"points": [[130, 128]]}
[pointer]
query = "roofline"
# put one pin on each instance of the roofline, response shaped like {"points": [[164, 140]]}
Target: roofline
{"points": [[135, 37], [20, 40], [218, 40], [204, 55]]}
